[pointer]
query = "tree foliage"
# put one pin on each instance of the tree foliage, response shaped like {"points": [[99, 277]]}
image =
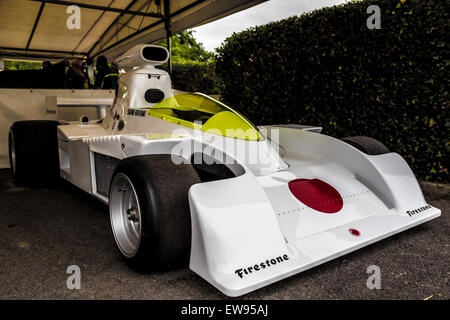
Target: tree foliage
{"points": [[192, 65], [21, 65], [186, 49], [327, 68]]}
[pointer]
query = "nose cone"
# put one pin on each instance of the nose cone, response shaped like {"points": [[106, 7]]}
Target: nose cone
{"points": [[317, 195]]}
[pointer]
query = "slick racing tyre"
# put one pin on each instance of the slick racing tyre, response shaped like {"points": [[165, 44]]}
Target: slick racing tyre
{"points": [[33, 152], [149, 211], [367, 145]]}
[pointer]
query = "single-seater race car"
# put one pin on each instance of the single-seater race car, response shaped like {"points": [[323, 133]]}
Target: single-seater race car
{"points": [[190, 180]]}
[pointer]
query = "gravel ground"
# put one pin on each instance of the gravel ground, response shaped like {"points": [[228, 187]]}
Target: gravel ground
{"points": [[43, 231]]}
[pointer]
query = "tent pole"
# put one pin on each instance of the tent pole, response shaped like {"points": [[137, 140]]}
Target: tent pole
{"points": [[168, 32], [170, 53]]}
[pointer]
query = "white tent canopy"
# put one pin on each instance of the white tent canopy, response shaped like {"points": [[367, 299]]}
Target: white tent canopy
{"points": [[37, 29]]}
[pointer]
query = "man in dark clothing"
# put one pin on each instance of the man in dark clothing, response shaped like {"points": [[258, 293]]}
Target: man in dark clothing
{"points": [[76, 78], [54, 75], [106, 78], [46, 65]]}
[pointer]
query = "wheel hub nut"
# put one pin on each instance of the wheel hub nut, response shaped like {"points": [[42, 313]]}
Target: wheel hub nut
{"points": [[132, 214]]}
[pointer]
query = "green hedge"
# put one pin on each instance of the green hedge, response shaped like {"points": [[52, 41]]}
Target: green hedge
{"points": [[194, 76], [327, 68]]}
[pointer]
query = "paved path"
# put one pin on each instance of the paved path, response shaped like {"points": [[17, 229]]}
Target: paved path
{"points": [[43, 231]]}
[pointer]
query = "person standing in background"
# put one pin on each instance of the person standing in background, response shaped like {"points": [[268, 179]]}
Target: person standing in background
{"points": [[75, 76], [106, 77]]}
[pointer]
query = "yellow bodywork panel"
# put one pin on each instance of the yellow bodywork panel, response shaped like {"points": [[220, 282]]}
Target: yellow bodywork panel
{"points": [[198, 111], [229, 124]]}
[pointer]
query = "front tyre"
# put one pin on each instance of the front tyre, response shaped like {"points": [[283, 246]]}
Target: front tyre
{"points": [[367, 145], [149, 211]]}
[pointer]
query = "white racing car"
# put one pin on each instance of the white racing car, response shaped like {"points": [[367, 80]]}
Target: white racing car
{"points": [[189, 179]]}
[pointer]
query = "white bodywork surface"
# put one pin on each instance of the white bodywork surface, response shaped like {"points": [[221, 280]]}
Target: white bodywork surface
{"points": [[265, 221], [250, 230], [47, 104], [246, 220]]}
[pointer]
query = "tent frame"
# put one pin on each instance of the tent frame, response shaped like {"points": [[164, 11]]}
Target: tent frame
{"points": [[164, 18]]}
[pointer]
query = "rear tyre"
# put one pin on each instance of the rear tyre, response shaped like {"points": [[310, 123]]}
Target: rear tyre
{"points": [[33, 152], [367, 145], [149, 211]]}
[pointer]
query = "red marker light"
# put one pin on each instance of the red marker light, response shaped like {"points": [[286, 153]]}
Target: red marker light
{"points": [[354, 232]]}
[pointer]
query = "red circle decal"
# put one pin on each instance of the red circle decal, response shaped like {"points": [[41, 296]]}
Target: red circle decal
{"points": [[317, 195]]}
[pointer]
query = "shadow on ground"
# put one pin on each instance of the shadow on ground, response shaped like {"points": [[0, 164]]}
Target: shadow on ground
{"points": [[45, 230]]}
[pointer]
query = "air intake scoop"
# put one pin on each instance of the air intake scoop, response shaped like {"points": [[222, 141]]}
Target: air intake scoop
{"points": [[142, 56]]}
